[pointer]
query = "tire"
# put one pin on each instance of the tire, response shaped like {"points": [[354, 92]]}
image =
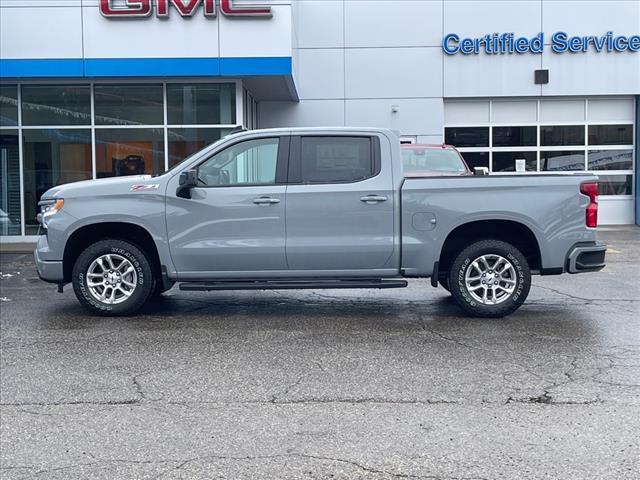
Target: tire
{"points": [[125, 290], [499, 292]]}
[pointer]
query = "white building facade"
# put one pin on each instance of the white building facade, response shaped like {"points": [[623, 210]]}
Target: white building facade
{"points": [[97, 88]]}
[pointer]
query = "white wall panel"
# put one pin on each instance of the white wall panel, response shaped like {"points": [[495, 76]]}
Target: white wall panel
{"points": [[562, 110], [320, 73], [393, 72], [490, 75], [40, 3], [431, 139], [592, 73], [306, 113], [414, 116], [399, 23], [589, 17], [615, 211], [611, 110], [257, 37], [476, 18], [319, 24], [511, 111], [149, 38], [467, 112], [40, 32]]}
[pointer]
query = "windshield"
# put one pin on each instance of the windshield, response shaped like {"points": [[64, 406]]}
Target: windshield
{"points": [[432, 159]]}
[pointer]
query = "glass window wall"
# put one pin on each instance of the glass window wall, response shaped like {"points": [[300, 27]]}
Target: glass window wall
{"points": [[129, 151], [199, 104], [52, 157], [59, 133], [129, 105], [10, 217], [56, 105], [599, 147], [8, 105]]}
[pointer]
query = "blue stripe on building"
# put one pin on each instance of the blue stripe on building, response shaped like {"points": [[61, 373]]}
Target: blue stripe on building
{"points": [[145, 67]]}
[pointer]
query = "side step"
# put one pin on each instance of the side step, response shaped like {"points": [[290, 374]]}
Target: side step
{"points": [[293, 284]]}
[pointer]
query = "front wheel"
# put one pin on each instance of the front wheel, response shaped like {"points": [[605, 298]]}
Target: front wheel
{"points": [[490, 278], [112, 277]]}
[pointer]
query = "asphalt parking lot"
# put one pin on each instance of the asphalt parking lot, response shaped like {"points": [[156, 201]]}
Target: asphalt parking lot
{"points": [[325, 384]]}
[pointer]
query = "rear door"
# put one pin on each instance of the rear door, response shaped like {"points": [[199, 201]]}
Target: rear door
{"points": [[340, 206]]}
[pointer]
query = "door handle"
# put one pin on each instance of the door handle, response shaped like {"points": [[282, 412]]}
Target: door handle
{"points": [[371, 199], [266, 201]]}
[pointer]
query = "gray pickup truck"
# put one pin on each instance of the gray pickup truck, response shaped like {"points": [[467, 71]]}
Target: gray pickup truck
{"points": [[314, 208]]}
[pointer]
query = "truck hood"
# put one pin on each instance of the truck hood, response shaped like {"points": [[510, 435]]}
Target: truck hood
{"points": [[100, 186]]}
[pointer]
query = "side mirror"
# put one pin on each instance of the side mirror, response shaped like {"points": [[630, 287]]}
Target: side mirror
{"points": [[187, 181], [481, 171]]}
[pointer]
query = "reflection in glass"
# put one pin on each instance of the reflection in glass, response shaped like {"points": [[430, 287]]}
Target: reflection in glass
{"points": [[9, 183], [252, 162], [336, 159], [515, 136], [52, 157], [610, 159], [201, 103], [562, 160], [610, 134], [129, 105], [56, 105], [8, 105], [417, 159], [561, 135], [614, 184], [506, 161], [129, 151], [476, 159], [467, 136], [184, 142]]}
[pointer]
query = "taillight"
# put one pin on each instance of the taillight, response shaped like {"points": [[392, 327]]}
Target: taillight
{"points": [[590, 189]]}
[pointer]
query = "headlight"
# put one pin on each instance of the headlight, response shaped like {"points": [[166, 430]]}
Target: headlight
{"points": [[49, 208]]}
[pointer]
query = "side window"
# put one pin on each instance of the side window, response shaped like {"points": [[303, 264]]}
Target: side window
{"points": [[252, 162], [337, 159]]}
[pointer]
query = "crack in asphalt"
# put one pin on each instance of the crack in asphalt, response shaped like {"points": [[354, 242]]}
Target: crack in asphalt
{"points": [[181, 464], [584, 299]]}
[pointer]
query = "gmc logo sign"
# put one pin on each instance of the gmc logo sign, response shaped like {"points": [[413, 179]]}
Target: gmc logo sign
{"points": [[186, 8]]}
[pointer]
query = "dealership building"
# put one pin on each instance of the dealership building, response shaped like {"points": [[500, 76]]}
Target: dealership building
{"points": [[99, 88]]}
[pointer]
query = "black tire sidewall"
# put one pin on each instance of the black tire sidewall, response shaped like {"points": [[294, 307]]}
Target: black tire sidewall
{"points": [[468, 255], [126, 250]]}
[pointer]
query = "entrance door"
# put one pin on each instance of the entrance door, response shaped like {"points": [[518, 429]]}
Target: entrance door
{"points": [[234, 220], [340, 206]]}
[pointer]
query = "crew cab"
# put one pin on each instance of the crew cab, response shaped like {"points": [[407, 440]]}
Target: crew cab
{"points": [[314, 208]]}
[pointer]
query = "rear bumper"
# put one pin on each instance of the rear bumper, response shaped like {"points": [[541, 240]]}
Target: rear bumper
{"points": [[586, 257]]}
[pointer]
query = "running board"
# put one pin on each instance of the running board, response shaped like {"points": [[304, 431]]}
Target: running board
{"points": [[292, 284]]}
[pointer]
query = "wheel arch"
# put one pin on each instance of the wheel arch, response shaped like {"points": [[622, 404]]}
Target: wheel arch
{"points": [[516, 233], [86, 235]]}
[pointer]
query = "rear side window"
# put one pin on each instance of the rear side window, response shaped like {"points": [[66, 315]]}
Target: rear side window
{"points": [[337, 159]]}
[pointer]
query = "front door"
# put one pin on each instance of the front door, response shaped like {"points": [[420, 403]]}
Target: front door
{"points": [[340, 206], [234, 222]]}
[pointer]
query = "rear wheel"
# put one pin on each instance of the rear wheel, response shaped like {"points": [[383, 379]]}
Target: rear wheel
{"points": [[112, 277], [490, 278]]}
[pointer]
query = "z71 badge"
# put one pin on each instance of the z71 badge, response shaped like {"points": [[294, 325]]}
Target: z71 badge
{"points": [[145, 187]]}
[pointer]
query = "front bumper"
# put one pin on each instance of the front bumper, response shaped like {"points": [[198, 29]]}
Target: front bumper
{"points": [[49, 271], [586, 257]]}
